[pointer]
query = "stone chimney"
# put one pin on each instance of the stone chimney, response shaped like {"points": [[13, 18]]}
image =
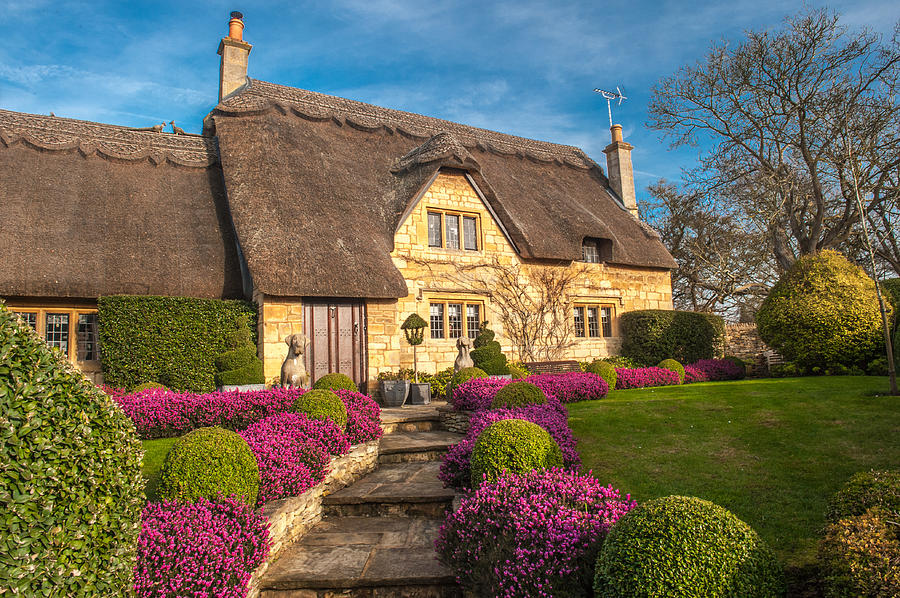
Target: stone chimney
{"points": [[618, 169], [235, 53]]}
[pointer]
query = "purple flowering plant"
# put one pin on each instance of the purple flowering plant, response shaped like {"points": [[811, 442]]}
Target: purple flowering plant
{"points": [[571, 387], [291, 453], [530, 535], [455, 469], [714, 369], [363, 416], [644, 377], [203, 548]]}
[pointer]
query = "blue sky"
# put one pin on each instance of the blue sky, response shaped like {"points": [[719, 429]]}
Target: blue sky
{"points": [[523, 67]]}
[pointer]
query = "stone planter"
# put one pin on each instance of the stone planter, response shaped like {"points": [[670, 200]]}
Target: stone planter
{"points": [[241, 387], [394, 392], [419, 393]]}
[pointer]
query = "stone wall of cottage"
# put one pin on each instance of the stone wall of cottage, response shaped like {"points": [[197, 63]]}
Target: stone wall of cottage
{"points": [[435, 274], [279, 317]]}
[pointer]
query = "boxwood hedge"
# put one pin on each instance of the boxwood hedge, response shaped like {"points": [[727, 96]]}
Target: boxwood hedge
{"points": [[170, 340], [71, 489], [652, 335]]}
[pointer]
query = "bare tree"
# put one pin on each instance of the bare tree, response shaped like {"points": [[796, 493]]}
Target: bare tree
{"points": [[534, 301], [721, 267], [779, 109]]}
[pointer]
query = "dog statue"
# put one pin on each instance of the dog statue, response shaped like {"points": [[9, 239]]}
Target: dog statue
{"points": [[463, 360], [293, 371]]}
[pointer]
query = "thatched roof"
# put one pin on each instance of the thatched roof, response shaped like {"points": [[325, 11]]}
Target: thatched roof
{"points": [[318, 184], [90, 209]]}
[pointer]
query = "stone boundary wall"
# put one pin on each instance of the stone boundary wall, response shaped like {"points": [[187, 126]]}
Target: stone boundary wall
{"points": [[453, 420], [742, 340], [290, 518]]}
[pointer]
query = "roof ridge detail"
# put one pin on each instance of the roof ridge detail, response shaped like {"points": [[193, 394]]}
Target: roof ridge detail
{"points": [[260, 96], [107, 141], [441, 147]]}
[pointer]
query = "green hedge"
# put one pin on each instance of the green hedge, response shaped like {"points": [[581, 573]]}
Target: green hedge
{"points": [[71, 489], [170, 340], [652, 335]]}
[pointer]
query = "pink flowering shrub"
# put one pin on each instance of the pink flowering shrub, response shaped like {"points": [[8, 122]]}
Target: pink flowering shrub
{"points": [[571, 387], [160, 413], [476, 394], [530, 535], [456, 469], [715, 369], [290, 456], [363, 416], [202, 548], [643, 377], [693, 374]]}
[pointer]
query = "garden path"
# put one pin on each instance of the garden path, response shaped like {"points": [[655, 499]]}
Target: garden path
{"points": [[377, 535]]}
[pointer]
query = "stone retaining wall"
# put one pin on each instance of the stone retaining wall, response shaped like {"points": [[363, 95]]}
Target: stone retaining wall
{"points": [[453, 420], [290, 518]]}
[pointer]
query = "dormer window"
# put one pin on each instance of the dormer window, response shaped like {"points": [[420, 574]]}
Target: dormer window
{"points": [[452, 230], [594, 251]]}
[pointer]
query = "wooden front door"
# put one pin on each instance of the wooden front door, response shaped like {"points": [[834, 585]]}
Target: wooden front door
{"points": [[337, 333]]}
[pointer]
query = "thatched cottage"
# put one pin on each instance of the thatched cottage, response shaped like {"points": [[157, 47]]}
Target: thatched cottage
{"points": [[338, 218]]}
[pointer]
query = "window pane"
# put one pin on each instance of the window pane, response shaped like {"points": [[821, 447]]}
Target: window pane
{"points": [[58, 331], [606, 320], [452, 223], [473, 320], [87, 337], [590, 252], [434, 229], [593, 322], [579, 321], [29, 317], [470, 233], [437, 320], [454, 320]]}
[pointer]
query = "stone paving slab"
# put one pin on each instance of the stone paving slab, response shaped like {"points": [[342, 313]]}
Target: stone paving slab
{"points": [[410, 413], [399, 482], [353, 552], [417, 442]]}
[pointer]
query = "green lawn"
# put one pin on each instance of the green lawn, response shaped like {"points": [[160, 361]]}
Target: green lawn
{"points": [[772, 451], [154, 453]]}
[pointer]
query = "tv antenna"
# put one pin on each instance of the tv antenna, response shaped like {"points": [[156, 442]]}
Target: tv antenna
{"points": [[611, 95]]}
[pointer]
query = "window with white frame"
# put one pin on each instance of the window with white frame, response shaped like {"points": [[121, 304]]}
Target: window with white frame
{"points": [[453, 230]]}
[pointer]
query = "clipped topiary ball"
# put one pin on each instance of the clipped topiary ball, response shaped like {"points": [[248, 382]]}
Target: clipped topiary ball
{"points": [[209, 463], [335, 382], [865, 490], [322, 404], [71, 489], [822, 312], [513, 445], [605, 370], [673, 366], [518, 394], [681, 546], [463, 375]]}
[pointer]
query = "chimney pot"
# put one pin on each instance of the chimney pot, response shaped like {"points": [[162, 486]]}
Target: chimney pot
{"points": [[616, 132], [236, 26]]}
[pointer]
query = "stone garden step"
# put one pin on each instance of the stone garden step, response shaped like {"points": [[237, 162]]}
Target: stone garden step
{"points": [[397, 489], [405, 447], [412, 418], [363, 557]]}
